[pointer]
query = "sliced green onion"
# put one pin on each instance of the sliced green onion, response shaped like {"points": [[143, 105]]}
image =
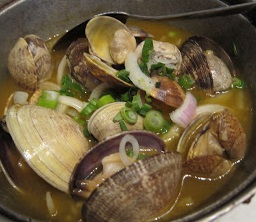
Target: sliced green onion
{"points": [[123, 125], [162, 70], [89, 108], [104, 100], [238, 83], [186, 81], [144, 68], [79, 120], [154, 121], [147, 50], [71, 88], [129, 115], [136, 102], [124, 75], [118, 117], [144, 109], [86, 132], [48, 99]]}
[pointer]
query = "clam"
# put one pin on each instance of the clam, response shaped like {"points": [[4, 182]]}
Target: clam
{"points": [[29, 62], [109, 39], [50, 142], [138, 192], [207, 63], [101, 124], [103, 71], [159, 87], [77, 64], [212, 143]]}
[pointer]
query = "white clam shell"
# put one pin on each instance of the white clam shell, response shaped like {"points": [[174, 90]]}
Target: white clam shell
{"points": [[101, 123], [50, 142]]}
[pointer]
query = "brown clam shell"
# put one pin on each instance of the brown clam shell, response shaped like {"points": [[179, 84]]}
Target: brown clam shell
{"points": [[139, 191]]}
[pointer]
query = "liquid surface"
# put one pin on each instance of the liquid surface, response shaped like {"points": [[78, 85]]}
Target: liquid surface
{"points": [[194, 192]]}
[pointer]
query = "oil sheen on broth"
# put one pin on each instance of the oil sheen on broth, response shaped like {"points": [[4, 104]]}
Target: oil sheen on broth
{"points": [[32, 200]]}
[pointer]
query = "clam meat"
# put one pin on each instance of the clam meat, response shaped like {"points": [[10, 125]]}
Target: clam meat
{"points": [[212, 143], [109, 39]]}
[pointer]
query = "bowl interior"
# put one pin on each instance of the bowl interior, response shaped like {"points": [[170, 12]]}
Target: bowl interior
{"points": [[46, 18]]}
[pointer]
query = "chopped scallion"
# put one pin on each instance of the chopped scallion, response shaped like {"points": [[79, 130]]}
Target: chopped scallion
{"points": [[136, 102], [129, 115], [238, 83], [154, 121], [144, 109], [147, 50], [89, 108], [124, 75], [123, 125], [48, 99], [186, 81], [104, 100], [118, 117]]}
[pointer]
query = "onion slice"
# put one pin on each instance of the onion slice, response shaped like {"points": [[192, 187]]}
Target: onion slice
{"points": [[135, 148], [183, 115], [61, 68], [50, 204], [138, 78], [72, 102], [98, 91], [20, 97]]}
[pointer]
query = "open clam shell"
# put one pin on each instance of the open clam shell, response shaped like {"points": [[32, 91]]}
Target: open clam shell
{"points": [[212, 142], [50, 142], [109, 39], [139, 191], [207, 63]]}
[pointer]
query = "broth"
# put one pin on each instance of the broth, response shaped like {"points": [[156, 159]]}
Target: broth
{"points": [[194, 192]]}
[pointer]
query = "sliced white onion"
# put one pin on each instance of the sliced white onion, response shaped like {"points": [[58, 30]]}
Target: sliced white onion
{"points": [[20, 97], [50, 204], [138, 78], [135, 148], [98, 91], [73, 102], [61, 68], [183, 115]]}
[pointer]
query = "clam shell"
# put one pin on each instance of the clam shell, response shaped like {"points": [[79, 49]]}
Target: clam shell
{"points": [[29, 62], [207, 63], [101, 123], [136, 193], [103, 72], [50, 142], [212, 142], [100, 32]]}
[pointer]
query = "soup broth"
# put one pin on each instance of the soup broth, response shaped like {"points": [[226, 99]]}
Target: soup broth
{"points": [[195, 190]]}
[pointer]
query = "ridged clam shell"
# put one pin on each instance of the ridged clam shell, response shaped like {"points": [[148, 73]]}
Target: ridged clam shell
{"points": [[101, 123], [29, 62], [207, 63], [50, 142], [138, 192]]}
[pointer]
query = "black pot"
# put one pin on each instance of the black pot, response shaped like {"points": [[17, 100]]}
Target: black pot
{"points": [[46, 18]]}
